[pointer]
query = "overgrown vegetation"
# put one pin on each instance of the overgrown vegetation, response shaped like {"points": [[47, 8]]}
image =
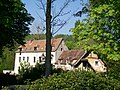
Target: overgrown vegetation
{"points": [[76, 80], [14, 23], [27, 74], [100, 32]]}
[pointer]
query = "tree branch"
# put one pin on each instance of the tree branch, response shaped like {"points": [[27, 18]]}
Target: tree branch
{"points": [[42, 6], [61, 25], [61, 10], [41, 17]]}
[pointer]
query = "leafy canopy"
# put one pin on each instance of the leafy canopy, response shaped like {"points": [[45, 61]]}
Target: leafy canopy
{"points": [[100, 32], [75, 80], [14, 22]]}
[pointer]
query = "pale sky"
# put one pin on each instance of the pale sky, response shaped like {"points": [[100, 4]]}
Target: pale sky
{"points": [[33, 9]]}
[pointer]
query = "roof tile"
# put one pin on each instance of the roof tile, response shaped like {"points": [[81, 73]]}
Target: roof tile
{"points": [[39, 45], [70, 56]]}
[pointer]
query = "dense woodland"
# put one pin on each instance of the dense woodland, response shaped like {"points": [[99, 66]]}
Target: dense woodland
{"points": [[99, 32]]}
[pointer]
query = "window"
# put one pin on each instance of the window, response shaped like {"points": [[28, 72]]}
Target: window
{"points": [[18, 68], [41, 48], [61, 49], [84, 64], [20, 50], [96, 62], [23, 58], [52, 56], [34, 59], [35, 48], [19, 59], [104, 69], [39, 59], [27, 59]]}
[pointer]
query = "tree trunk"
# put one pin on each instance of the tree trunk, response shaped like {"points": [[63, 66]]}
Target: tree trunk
{"points": [[48, 39]]}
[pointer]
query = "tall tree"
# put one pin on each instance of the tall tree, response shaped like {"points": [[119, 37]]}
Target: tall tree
{"points": [[100, 32], [14, 22], [48, 38], [53, 24]]}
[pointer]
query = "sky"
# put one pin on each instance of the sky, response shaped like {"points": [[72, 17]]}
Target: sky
{"points": [[33, 9]]}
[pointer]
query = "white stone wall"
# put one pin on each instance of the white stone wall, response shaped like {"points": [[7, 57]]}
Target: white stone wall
{"points": [[64, 67], [31, 55], [31, 59], [99, 67]]}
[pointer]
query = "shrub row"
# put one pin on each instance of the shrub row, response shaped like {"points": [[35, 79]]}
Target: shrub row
{"points": [[76, 80]]}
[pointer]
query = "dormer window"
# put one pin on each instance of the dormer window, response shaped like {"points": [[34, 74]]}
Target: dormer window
{"points": [[20, 49], [41, 48], [35, 48], [53, 47]]}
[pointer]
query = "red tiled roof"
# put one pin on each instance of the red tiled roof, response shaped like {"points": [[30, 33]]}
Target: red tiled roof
{"points": [[70, 56], [39, 45]]}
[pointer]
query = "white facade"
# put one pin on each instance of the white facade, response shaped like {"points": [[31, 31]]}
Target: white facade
{"points": [[34, 57]]}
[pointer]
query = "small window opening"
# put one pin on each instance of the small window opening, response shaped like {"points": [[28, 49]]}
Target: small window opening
{"points": [[96, 62], [35, 48], [18, 68], [23, 58], [20, 49], [27, 59], [41, 48], [19, 59], [61, 49], [34, 59], [39, 59]]}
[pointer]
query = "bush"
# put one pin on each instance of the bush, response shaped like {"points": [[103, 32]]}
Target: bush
{"points": [[76, 80], [28, 74], [113, 69], [6, 79]]}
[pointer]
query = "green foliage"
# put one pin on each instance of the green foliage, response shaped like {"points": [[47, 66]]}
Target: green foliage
{"points": [[25, 70], [8, 55], [6, 79], [113, 69], [28, 73], [7, 59], [16, 87], [69, 40], [100, 32], [14, 22], [35, 37], [76, 80]]}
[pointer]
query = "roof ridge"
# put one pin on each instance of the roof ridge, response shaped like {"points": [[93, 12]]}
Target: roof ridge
{"points": [[41, 43]]}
